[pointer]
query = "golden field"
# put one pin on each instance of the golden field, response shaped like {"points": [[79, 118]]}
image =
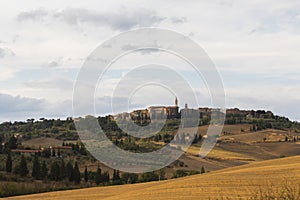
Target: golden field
{"points": [[240, 182]]}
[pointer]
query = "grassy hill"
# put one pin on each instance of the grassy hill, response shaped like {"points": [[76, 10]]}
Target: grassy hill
{"points": [[247, 137], [240, 182]]}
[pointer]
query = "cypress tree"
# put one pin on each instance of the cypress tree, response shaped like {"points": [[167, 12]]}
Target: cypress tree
{"points": [[1, 140], [69, 171], [106, 175], [55, 171], [53, 153], [98, 176], [116, 177], [44, 170], [63, 173], [36, 168], [202, 170], [76, 174], [58, 153], [12, 143], [22, 168], [8, 163], [86, 175]]}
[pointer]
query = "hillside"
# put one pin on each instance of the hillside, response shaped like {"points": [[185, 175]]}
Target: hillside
{"points": [[49, 149], [236, 182]]}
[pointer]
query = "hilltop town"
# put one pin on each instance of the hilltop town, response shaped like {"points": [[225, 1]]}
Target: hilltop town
{"points": [[38, 155]]}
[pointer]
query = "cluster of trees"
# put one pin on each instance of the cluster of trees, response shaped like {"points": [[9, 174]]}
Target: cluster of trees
{"points": [[99, 177], [77, 147], [20, 168], [182, 138], [58, 170], [42, 127], [261, 120], [11, 143], [181, 173]]}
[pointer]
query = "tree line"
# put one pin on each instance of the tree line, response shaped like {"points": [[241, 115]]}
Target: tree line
{"points": [[61, 171]]}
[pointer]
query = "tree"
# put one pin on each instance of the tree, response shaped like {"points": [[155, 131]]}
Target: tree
{"points": [[63, 172], [98, 176], [44, 170], [55, 171], [58, 153], [105, 177], [116, 177], [76, 173], [8, 163], [149, 176], [86, 175], [129, 178], [180, 173], [161, 174], [12, 143], [69, 171], [1, 140], [53, 153], [202, 170], [23, 170], [254, 128], [36, 168], [46, 153]]}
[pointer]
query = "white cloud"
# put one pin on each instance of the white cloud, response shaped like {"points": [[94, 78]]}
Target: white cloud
{"points": [[255, 45], [123, 19]]}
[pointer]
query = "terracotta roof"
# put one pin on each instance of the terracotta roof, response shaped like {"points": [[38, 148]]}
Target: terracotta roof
{"points": [[62, 147], [25, 150]]}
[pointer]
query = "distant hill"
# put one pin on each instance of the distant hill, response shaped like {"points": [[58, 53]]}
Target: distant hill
{"points": [[248, 137]]}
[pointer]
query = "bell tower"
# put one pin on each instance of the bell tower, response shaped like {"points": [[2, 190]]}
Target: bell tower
{"points": [[176, 101]]}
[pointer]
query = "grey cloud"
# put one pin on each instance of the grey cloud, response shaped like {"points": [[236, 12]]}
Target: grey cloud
{"points": [[53, 64], [178, 20], [142, 51], [56, 62], [58, 82], [14, 108], [13, 104], [38, 14], [123, 19], [5, 52]]}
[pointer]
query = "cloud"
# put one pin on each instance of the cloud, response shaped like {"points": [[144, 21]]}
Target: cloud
{"points": [[53, 64], [7, 73], [5, 52], [13, 108], [178, 20], [60, 83], [145, 51], [124, 19], [262, 44], [38, 14], [15, 104]]}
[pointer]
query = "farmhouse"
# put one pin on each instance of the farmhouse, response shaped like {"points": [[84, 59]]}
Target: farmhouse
{"points": [[31, 152]]}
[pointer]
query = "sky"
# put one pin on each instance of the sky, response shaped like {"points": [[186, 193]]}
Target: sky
{"points": [[255, 46]]}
